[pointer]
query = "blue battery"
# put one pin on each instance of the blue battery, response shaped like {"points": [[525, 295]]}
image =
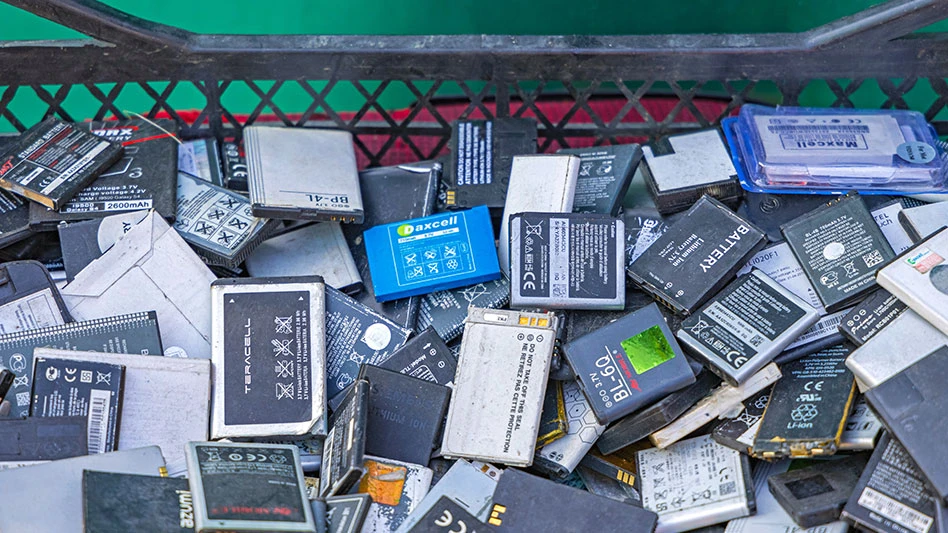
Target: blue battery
{"points": [[432, 253]]}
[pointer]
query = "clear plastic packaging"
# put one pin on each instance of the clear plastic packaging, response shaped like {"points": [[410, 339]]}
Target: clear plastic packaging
{"points": [[833, 151]]}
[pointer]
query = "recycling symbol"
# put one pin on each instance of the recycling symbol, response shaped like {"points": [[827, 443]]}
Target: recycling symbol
{"points": [[804, 412]]}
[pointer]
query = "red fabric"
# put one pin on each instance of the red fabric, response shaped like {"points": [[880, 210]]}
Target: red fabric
{"points": [[555, 111]]}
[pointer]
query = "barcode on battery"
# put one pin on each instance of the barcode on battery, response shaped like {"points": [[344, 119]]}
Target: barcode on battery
{"points": [[797, 128], [828, 325], [99, 401], [726, 489], [894, 510]]}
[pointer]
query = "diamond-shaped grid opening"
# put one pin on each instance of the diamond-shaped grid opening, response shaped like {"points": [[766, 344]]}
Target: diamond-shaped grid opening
{"points": [[80, 104], [25, 107], [132, 98], [816, 93], [868, 95], [765, 92], [937, 111], [238, 99], [291, 99], [920, 97], [177, 96]]}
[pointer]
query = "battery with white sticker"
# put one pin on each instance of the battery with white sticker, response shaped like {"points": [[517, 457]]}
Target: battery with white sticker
{"points": [[830, 138]]}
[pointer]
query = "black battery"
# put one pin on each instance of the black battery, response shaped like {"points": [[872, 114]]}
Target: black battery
{"points": [[770, 211], [404, 415], [14, 210], [234, 165], [69, 388], [446, 516], [482, 152], [114, 501], [891, 495], [52, 161], [912, 405], [425, 357], [344, 447], [808, 408], [347, 513], [870, 315], [628, 364], [605, 173], [143, 178], [738, 433], [643, 226], [697, 256], [840, 249], [816, 494], [445, 311], [640, 425], [43, 439]]}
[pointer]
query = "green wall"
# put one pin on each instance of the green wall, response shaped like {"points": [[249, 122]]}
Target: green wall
{"points": [[433, 16]]}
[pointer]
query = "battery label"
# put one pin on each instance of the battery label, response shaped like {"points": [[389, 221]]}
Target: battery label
{"points": [[274, 495], [119, 197], [219, 219], [563, 258], [597, 176], [38, 310], [691, 475], [429, 251], [835, 250], [871, 135], [887, 218], [267, 358], [742, 319], [474, 158], [614, 379], [895, 491]]}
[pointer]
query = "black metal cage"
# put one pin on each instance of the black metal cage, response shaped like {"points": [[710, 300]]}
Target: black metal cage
{"points": [[878, 51]]}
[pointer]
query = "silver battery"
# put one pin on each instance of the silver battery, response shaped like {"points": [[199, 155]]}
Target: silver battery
{"points": [[919, 277], [396, 489], [695, 483], [539, 184], [563, 455], [269, 350], [906, 340], [503, 367], [470, 484], [862, 428], [299, 173], [315, 250], [746, 325]]}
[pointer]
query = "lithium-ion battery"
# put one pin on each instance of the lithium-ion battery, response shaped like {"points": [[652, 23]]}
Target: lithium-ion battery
{"points": [[344, 447], [745, 326], [738, 433], [567, 261], [445, 311], [697, 256], [605, 173], [840, 248], [497, 420], [560, 457], [269, 355], [300, 173], [919, 277], [434, 253], [807, 410], [52, 161], [628, 364], [815, 495], [870, 316]]}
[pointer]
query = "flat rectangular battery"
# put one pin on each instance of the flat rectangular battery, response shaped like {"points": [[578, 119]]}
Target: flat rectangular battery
{"points": [[127, 502], [567, 261], [445, 311], [745, 326], [738, 433], [892, 495], [344, 447], [816, 494], [346, 513], [679, 169], [300, 173], [695, 483], [807, 410], [404, 415], [136, 333], [605, 173], [769, 211], [911, 404], [446, 515], [433, 253], [525, 503], [538, 183], [14, 209], [560, 457], [469, 484], [29, 298], [417, 186], [628, 364], [481, 152], [638, 426], [218, 223], [425, 357], [919, 277], [143, 178], [37, 438], [643, 226], [247, 487], [52, 161], [498, 420], [884, 355], [71, 387], [770, 516], [862, 428], [553, 418], [234, 165], [619, 466], [395, 487], [269, 354], [887, 218], [840, 248], [697, 256], [870, 316], [355, 335], [313, 250], [201, 158], [921, 221]]}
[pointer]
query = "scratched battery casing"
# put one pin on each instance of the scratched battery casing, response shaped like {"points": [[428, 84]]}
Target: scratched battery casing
{"points": [[497, 419]]}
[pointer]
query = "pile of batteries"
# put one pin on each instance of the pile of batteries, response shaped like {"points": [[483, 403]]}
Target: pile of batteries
{"points": [[735, 330]]}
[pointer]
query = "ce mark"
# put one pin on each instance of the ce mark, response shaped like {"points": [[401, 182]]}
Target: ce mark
{"points": [[528, 279], [813, 386]]}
